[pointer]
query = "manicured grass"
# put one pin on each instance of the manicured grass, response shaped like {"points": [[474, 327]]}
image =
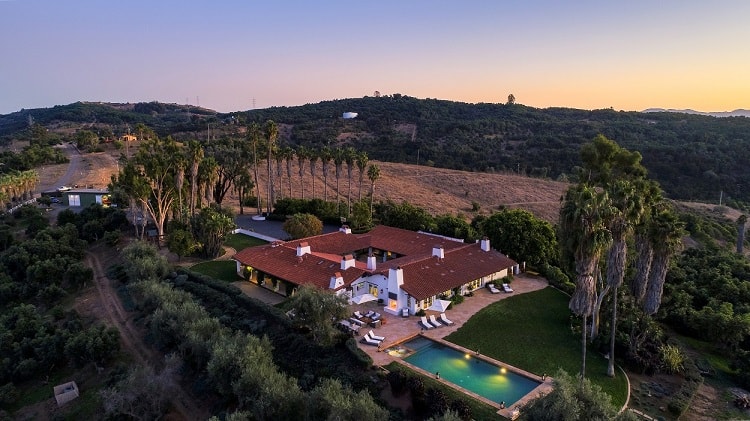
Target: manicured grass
{"points": [[242, 241], [223, 270], [479, 410], [532, 332]]}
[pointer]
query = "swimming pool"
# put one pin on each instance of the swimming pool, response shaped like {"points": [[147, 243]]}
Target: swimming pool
{"points": [[467, 371]]}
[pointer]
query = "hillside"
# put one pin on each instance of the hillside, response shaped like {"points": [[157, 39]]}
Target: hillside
{"points": [[435, 189], [693, 157]]}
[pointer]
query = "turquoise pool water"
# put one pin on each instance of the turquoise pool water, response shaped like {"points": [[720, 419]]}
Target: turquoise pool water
{"points": [[469, 372]]}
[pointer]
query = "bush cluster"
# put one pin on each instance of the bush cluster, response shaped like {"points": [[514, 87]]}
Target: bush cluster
{"points": [[680, 401]]}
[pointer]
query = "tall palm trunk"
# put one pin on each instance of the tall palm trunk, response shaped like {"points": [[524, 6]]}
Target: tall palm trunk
{"points": [[288, 157], [741, 221], [313, 164], [655, 287], [615, 275], [643, 265]]}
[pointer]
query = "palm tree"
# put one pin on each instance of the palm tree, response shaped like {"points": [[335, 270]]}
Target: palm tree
{"points": [[350, 157], [362, 160], [741, 221], [665, 232], [652, 201], [278, 156], [195, 156], [207, 176], [582, 219], [325, 157], [373, 173], [254, 136], [272, 132], [179, 182], [313, 155], [288, 153], [302, 155], [338, 163], [626, 211]]}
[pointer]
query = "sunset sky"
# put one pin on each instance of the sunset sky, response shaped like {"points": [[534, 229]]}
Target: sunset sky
{"points": [[629, 55]]}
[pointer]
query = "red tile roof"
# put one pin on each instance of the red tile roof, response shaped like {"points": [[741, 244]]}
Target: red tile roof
{"points": [[424, 275], [428, 277], [282, 262]]}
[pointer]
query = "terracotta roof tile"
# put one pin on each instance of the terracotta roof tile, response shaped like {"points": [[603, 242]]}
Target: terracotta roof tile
{"points": [[424, 275]]}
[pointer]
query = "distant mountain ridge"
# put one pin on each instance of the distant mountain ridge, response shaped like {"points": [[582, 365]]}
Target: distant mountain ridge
{"points": [[741, 112], [692, 156]]}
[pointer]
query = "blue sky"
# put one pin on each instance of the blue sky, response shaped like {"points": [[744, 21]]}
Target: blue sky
{"points": [[628, 55]]}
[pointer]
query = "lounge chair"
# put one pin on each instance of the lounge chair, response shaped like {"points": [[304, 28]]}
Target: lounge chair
{"points": [[492, 289], [425, 323], [445, 319], [356, 321], [507, 288], [369, 341], [357, 314], [434, 321], [376, 337]]}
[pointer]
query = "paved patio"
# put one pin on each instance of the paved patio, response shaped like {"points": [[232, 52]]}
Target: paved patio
{"points": [[397, 329]]}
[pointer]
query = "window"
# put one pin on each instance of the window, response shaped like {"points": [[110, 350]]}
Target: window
{"points": [[74, 200], [98, 198]]}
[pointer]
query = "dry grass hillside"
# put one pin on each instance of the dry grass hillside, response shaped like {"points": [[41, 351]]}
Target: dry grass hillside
{"points": [[435, 189]]}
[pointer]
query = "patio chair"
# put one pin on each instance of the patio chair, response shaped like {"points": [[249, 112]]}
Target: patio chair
{"points": [[507, 288], [357, 321], [425, 323], [376, 337], [445, 319], [370, 341], [434, 321], [492, 289], [370, 313], [357, 314], [376, 316]]}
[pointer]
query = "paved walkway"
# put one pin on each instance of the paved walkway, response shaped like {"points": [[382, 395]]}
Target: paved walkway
{"points": [[397, 329]]}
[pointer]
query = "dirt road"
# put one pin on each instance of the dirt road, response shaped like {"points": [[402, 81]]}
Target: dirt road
{"points": [[110, 311]]}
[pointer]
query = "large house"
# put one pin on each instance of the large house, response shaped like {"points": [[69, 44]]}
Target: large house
{"points": [[403, 269]]}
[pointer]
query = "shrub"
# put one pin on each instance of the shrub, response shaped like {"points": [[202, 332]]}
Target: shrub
{"points": [[361, 356], [437, 402], [8, 394], [111, 238], [456, 299], [680, 401], [398, 382], [462, 409]]}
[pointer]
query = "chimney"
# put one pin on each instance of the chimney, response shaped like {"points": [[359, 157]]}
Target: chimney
{"points": [[485, 244], [437, 251], [395, 279], [371, 259], [303, 249], [337, 281], [347, 262], [345, 229]]}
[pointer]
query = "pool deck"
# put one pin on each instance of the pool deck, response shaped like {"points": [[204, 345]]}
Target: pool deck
{"points": [[398, 329]]}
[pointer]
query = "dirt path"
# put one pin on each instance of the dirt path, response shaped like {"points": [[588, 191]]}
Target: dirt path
{"points": [[112, 313]]}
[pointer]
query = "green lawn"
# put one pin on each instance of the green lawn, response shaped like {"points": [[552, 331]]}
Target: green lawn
{"points": [[532, 332], [223, 270], [242, 241]]}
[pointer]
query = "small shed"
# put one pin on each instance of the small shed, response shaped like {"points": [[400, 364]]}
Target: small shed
{"points": [[66, 392], [86, 197]]}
